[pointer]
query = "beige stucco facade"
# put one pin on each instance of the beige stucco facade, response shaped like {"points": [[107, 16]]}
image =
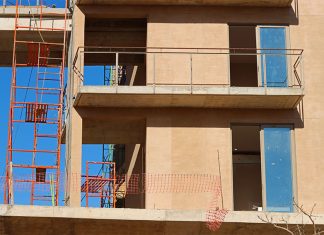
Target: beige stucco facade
{"points": [[183, 136], [194, 84]]}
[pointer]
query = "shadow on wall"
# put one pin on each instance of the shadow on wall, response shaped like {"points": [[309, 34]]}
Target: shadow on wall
{"points": [[183, 117], [203, 14], [230, 15], [222, 118]]}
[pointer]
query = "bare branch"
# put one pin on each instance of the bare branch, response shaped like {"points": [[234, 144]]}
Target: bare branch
{"points": [[283, 228], [298, 229], [309, 215], [270, 221]]}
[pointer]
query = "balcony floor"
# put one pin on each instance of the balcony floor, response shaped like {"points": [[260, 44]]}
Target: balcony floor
{"points": [[185, 96]]}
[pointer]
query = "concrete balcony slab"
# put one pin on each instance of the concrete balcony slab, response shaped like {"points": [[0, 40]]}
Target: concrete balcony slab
{"points": [[188, 96]]}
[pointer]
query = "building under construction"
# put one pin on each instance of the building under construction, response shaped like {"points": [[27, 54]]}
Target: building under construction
{"points": [[163, 117]]}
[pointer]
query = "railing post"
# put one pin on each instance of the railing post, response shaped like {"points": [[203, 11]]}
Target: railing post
{"points": [[78, 76], [82, 69], [229, 69], [302, 71], [264, 72], [190, 73], [154, 73], [116, 70]]}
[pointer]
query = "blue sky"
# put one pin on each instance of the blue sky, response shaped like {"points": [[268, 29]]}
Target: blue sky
{"points": [[5, 78], [57, 3], [90, 152]]}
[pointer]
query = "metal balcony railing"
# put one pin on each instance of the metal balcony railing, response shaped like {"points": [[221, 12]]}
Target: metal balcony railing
{"points": [[192, 67]]}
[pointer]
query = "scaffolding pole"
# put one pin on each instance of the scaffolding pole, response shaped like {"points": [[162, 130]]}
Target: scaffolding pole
{"points": [[34, 110]]}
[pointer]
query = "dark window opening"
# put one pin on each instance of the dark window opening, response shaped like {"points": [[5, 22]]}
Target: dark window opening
{"points": [[243, 68], [104, 38]]}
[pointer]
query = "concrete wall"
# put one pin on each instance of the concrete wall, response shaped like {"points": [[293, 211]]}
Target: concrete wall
{"points": [[183, 145], [309, 148], [73, 154], [184, 69], [67, 226], [135, 167]]}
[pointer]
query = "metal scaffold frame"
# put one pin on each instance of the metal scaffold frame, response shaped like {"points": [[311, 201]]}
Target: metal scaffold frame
{"points": [[107, 200], [39, 111], [100, 186]]}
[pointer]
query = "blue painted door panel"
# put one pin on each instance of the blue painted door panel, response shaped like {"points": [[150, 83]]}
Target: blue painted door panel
{"points": [[274, 61], [278, 172]]}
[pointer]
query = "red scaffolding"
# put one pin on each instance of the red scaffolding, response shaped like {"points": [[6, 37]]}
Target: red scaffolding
{"points": [[102, 186], [36, 102]]}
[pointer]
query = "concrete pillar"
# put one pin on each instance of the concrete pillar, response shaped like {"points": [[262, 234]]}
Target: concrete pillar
{"points": [[74, 120]]}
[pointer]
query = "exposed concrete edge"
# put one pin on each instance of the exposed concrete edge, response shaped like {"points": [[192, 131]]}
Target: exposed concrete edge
{"points": [[76, 99], [8, 24], [28, 11], [196, 89], [150, 215]]}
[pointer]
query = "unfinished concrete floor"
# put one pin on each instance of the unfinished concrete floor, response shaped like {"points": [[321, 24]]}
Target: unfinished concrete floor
{"points": [[33, 220]]}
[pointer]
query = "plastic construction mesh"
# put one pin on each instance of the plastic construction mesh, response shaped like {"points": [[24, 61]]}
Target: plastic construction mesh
{"points": [[215, 215], [173, 183], [23, 182], [139, 184], [177, 183], [215, 218]]}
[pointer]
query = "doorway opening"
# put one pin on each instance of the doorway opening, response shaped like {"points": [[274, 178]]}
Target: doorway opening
{"points": [[243, 60], [246, 168]]}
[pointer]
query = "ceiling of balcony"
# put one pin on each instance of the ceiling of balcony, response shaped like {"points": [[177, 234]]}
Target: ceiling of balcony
{"points": [[268, 3]]}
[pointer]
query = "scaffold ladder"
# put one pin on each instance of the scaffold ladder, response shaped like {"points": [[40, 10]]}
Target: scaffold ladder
{"points": [[36, 110]]}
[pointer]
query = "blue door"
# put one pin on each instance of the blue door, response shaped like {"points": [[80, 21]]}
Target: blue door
{"points": [[278, 169], [273, 62]]}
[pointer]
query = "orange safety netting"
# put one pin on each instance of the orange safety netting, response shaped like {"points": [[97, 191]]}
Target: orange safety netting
{"points": [[147, 183]]}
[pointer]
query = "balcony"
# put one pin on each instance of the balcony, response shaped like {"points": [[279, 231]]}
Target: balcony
{"points": [[188, 77], [267, 3]]}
